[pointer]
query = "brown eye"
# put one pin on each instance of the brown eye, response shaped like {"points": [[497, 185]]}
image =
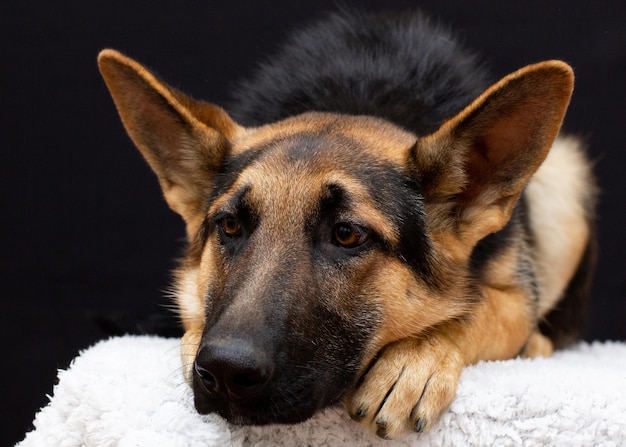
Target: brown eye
{"points": [[349, 235], [230, 226]]}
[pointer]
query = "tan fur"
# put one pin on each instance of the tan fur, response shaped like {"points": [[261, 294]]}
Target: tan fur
{"points": [[424, 371], [472, 172], [538, 345], [485, 206], [190, 304], [560, 192]]}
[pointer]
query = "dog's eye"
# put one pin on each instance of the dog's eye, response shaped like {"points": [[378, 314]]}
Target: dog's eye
{"points": [[348, 235], [230, 226]]}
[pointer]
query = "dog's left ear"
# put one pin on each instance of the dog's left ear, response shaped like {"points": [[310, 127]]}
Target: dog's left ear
{"points": [[183, 140], [474, 168]]}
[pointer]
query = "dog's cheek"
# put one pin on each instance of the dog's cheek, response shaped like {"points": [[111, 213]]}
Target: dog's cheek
{"points": [[195, 283], [409, 305], [339, 342], [348, 317], [210, 279]]}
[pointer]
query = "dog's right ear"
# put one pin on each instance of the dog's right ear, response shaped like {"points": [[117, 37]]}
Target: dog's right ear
{"points": [[183, 140]]}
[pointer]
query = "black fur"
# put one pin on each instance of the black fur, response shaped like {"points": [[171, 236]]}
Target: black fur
{"points": [[402, 68], [565, 323], [495, 243], [410, 71]]}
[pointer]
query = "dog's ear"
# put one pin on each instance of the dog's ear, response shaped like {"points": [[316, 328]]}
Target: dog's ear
{"points": [[474, 168], [183, 140]]}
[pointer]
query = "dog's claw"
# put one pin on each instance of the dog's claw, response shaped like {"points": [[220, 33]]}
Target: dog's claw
{"points": [[381, 430], [419, 425], [358, 415]]}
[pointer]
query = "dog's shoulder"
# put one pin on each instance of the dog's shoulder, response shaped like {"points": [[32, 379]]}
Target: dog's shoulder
{"points": [[401, 67]]}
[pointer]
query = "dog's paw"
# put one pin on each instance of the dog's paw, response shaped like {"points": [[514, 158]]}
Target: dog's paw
{"points": [[408, 387], [538, 345]]}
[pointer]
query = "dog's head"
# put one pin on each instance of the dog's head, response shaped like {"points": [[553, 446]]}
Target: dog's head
{"points": [[317, 240]]}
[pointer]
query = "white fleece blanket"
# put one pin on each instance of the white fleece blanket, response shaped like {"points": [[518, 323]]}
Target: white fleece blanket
{"points": [[129, 391]]}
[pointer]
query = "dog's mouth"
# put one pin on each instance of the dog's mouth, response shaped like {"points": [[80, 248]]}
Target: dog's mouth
{"points": [[275, 404], [251, 390]]}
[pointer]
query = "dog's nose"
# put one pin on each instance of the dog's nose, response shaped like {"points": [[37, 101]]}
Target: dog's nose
{"points": [[233, 369]]}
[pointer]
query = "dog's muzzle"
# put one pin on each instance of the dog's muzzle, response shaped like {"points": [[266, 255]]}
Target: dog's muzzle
{"points": [[246, 384]]}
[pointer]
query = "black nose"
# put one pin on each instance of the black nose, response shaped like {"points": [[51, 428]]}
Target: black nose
{"points": [[233, 369]]}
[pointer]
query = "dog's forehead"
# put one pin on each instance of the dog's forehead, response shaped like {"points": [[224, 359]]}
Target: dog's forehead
{"points": [[288, 183], [311, 150], [315, 134], [286, 168]]}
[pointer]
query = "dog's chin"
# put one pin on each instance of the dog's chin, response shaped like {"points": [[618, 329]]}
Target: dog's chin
{"points": [[238, 414], [238, 418]]}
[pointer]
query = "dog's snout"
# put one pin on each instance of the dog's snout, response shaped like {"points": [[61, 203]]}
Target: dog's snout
{"points": [[233, 369]]}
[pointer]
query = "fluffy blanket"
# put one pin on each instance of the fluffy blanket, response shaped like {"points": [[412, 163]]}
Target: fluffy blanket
{"points": [[129, 391]]}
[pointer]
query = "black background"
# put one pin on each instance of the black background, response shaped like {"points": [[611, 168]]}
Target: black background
{"points": [[86, 236]]}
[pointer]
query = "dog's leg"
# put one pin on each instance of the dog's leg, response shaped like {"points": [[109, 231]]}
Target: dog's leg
{"points": [[414, 380], [188, 349]]}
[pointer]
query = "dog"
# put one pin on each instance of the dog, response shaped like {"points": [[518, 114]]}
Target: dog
{"points": [[370, 216]]}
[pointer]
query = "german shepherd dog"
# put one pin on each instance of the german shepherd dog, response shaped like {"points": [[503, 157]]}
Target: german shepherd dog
{"points": [[369, 217]]}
